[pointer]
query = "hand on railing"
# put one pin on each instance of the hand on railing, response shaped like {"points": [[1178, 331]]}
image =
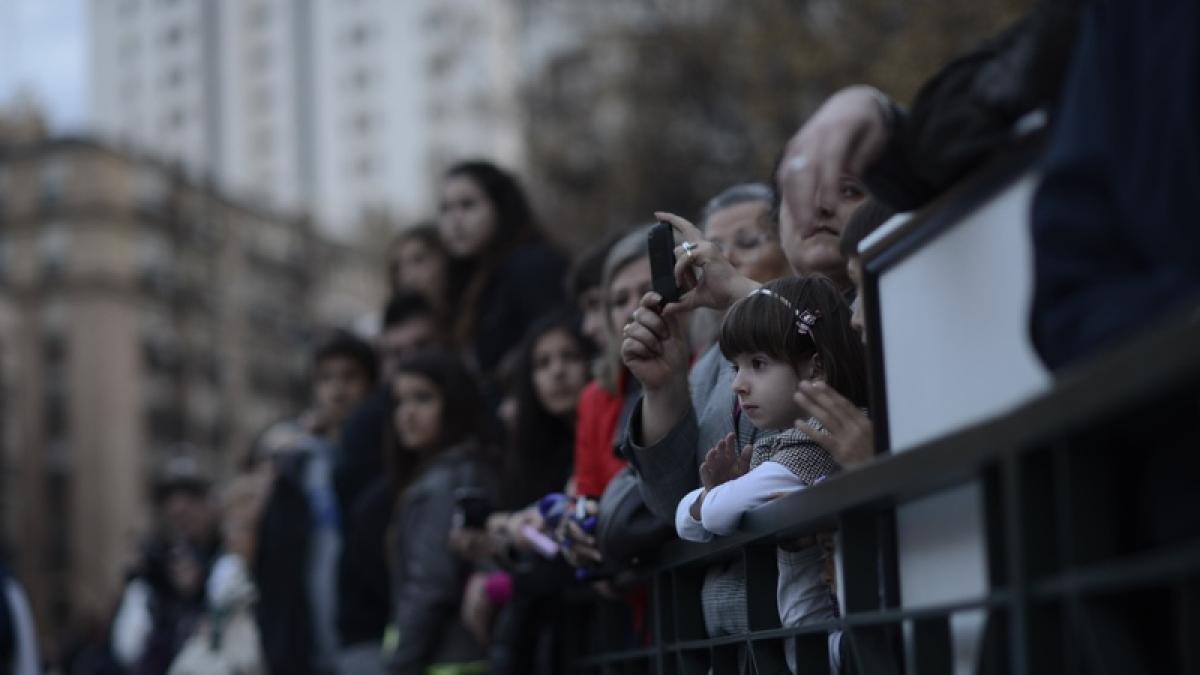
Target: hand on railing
{"points": [[849, 436]]}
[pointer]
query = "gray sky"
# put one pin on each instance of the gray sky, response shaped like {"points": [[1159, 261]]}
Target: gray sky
{"points": [[43, 50]]}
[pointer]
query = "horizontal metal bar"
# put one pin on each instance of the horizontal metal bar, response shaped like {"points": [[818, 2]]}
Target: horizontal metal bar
{"points": [[615, 657], [689, 645], [1150, 569], [996, 599]]}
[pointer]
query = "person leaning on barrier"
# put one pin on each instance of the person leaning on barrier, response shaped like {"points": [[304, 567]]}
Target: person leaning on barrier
{"points": [[958, 119], [849, 434]]}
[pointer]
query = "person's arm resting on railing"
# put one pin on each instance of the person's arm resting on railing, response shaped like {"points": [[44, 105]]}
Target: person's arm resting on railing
{"points": [[722, 507]]}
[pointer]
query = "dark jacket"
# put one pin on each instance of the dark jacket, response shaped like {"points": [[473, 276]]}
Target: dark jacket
{"points": [[527, 284], [967, 110], [1116, 241], [427, 579], [364, 589], [360, 450], [280, 572]]}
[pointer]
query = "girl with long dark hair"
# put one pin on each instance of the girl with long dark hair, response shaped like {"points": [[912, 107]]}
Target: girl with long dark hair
{"points": [[440, 457], [503, 272]]}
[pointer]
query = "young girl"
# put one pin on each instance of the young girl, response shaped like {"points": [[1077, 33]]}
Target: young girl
{"points": [[788, 332]]}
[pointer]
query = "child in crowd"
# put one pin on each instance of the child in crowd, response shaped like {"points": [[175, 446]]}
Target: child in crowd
{"points": [[788, 332]]}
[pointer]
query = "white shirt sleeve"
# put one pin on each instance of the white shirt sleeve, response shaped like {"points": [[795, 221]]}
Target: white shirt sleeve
{"points": [[724, 505], [686, 526]]}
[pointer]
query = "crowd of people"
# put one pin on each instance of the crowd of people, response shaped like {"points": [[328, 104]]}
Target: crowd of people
{"points": [[526, 429]]}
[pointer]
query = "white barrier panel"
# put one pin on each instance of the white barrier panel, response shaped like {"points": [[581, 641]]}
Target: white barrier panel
{"points": [[956, 347]]}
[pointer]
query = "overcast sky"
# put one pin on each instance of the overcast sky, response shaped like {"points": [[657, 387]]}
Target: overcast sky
{"points": [[43, 49]]}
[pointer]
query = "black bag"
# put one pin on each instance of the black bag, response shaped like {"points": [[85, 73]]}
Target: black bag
{"points": [[626, 531]]}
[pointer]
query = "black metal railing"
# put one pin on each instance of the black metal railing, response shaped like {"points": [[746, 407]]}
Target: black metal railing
{"points": [[1070, 541], [1091, 565]]}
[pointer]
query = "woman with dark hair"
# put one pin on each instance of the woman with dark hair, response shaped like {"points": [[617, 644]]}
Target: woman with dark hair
{"points": [[552, 370], [439, 459], [419, 263], [524, 598], [503, 273]]}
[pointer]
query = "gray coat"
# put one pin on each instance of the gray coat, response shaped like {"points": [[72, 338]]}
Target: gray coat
{"points": [[428, 579]]}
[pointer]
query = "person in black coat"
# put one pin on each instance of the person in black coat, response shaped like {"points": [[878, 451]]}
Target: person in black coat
{"points": [[503, 274]]}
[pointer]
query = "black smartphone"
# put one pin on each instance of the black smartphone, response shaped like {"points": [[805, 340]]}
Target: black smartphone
{"points": [[473, 508], [661, 245]]}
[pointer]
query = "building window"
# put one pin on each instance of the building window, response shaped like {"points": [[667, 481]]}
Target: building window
{"points": [[360, 78], [175, 76], [265, 178], [364, 166], [262, 142], [362, 122], [259, 56], [54, 176], [164, 423], [258, 14], [175, 119], [54, 245], [128, 50], [260, 99], [150, 189], [358, 34], [5, 187], [173, 36], [57, 420], [129, 90]]}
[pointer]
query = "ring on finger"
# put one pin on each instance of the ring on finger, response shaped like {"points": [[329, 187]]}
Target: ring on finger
{"points": [[688, 247]]}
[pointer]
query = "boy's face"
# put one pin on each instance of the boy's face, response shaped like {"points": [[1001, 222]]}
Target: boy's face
{"points": [[401, 339], [188, 514], [854, 270], [341, 384]]}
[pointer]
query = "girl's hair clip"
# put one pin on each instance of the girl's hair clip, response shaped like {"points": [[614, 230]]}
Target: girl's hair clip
{"points": [[805, 320]]}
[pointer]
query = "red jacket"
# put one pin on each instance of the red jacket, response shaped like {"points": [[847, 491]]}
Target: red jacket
{"points": [[596, 418]]}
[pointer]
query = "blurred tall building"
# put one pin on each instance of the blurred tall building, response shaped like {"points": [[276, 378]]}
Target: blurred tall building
{"points": [[139, 310], [342, 108]]}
